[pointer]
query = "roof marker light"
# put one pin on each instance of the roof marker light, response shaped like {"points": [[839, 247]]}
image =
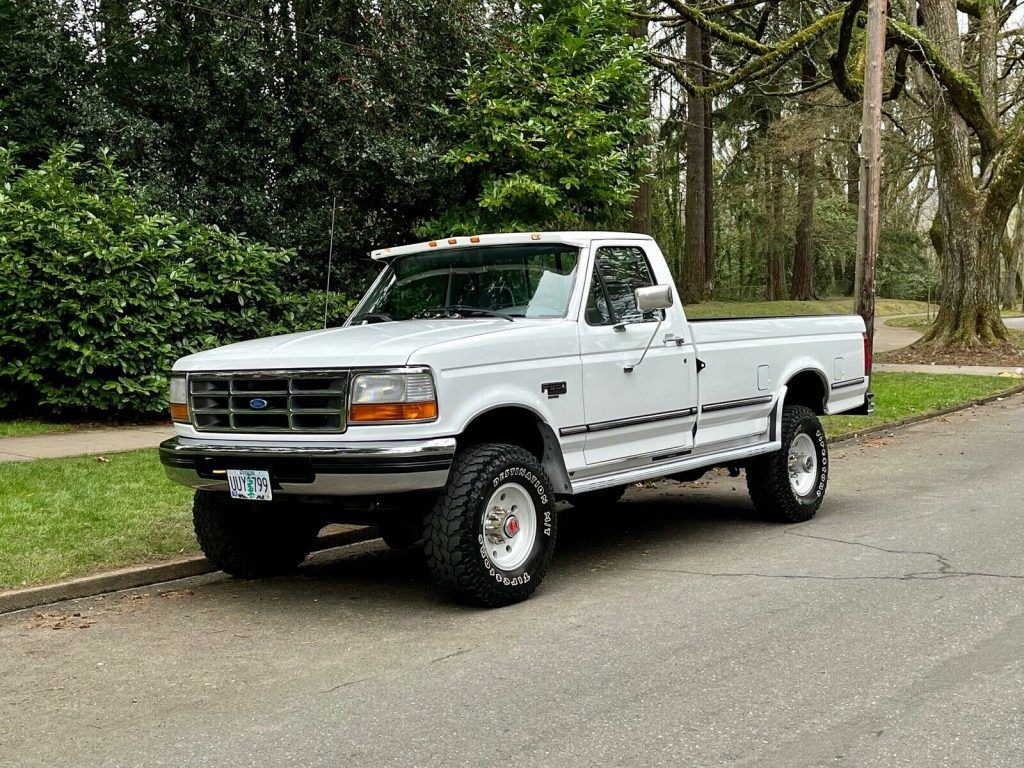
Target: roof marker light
{"points": [[535, 236], [432, 244], [452, 241], [474, 239]]}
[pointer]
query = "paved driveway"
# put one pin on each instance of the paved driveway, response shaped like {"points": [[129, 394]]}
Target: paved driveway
{"points": [[682, 631]]}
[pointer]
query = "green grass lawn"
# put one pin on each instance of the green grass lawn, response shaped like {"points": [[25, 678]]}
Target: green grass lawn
{"points": [[840, 305], [20, 427], [900, 395], [61, 518]]}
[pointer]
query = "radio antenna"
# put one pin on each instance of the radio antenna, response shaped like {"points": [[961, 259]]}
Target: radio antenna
{"points": [[330, 259]]}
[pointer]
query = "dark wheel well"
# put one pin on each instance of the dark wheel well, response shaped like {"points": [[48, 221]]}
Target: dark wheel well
{"points": [[512, 425], [807, 389]]}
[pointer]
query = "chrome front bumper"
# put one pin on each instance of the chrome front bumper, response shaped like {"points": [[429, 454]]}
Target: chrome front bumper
{"points": [[354, 469]]}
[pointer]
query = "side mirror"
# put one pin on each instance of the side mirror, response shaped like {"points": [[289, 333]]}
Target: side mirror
{"points": [[652, 297]]}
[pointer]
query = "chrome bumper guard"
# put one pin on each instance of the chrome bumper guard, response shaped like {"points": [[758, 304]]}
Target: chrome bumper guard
{"points": [[355, 469]]}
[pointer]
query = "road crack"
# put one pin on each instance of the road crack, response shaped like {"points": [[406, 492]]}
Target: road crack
{"points": [[346, 685], [451, 655], [944, 569]]}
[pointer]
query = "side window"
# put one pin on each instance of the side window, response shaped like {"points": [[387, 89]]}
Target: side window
{"points": [[597, 305], [618, 272]]}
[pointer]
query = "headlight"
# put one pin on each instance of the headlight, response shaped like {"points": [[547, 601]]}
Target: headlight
{"points": [[385, 397], [179, 398]]}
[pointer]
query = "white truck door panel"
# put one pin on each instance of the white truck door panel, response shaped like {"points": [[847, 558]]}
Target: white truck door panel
{"points": [[649, 410]]}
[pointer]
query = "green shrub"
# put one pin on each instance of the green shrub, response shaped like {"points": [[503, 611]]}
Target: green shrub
{"points": [[98, 297], [306, 310]]}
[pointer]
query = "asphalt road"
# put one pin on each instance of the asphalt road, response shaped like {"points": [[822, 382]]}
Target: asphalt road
{"points": [[680, 631]]}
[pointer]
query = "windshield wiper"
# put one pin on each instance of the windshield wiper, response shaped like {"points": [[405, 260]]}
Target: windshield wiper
{"points": [[461, 310]]}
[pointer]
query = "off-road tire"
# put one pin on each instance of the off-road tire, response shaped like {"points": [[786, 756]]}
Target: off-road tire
{"points": [[454, 537], [597, 501], [253, 539], [768, 476]]}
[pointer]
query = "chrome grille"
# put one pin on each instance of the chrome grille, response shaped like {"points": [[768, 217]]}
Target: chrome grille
{"points": [[271, 401]]}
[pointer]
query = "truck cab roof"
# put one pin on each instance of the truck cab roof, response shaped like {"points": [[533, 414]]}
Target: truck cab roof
{"points": [[509, 238]]}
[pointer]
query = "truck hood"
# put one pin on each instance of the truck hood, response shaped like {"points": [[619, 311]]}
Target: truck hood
{"points": [[378, 344]]}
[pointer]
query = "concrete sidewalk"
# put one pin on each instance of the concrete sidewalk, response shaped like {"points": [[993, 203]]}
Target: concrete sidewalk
{"points": [[888, 338], [82, 443]]}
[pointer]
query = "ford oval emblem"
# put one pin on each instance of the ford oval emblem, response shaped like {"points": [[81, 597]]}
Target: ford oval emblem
{"points": [[258, 403]]}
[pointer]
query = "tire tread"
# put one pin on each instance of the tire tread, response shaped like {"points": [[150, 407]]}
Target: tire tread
{"points": [[768, 475], [450, 546]]}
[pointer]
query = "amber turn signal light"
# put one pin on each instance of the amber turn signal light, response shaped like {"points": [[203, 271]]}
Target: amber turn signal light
{"points": [[179, 412], [393, 411]]}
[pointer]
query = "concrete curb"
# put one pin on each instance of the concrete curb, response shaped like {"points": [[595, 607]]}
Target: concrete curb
{"points": [[143, 576], [147, 575]]}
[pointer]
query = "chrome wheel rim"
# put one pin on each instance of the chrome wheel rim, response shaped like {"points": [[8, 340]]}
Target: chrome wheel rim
{"points": [[509, 525], [803, 464]]}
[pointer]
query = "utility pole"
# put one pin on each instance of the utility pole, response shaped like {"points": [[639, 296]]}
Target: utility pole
{"points": [[870, 167]]}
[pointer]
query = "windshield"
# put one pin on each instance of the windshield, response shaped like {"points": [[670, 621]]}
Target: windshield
{"points": [[507, 280]]}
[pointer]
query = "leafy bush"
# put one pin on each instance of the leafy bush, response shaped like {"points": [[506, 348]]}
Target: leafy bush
{"points": [[98, 297], [306, 310]]}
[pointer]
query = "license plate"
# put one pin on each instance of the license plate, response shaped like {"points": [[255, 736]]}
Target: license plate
{"points": [[251, 484]]}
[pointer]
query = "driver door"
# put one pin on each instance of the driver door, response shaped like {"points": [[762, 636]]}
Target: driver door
{"points": [[646, 413]]}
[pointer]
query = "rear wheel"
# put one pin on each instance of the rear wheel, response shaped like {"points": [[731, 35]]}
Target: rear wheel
{"points": [[253, 539], [789, 485], [491, 535]]}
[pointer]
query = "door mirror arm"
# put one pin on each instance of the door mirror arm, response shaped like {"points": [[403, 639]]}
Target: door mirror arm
{"points": [[648, 299], [630, 368]]}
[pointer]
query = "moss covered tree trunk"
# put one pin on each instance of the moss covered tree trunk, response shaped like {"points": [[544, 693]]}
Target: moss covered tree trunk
{"points": [[969, 231]]}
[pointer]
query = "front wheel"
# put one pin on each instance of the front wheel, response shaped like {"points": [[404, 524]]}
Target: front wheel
{"points": [[491, 534], [253, 539], [789, 484]]}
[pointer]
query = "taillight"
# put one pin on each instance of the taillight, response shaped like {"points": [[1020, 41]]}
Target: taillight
{"points": [[867, 355]]}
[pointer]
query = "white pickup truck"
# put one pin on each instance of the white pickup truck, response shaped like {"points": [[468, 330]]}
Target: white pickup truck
{"points": [[483, 379]]}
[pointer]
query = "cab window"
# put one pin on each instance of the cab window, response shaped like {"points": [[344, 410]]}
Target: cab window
{"points": [[618, 272]]}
